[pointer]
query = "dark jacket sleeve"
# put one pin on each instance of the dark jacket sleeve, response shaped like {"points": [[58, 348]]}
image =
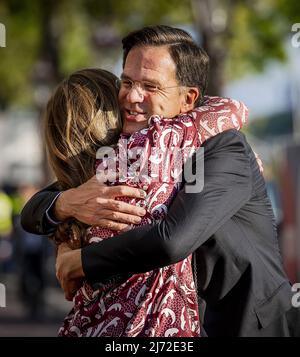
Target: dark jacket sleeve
{"points": [[33, 215], [191, 220]]}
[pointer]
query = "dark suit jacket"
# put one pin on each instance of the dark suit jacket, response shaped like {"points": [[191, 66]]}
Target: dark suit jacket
{"points": [[229, 225]]}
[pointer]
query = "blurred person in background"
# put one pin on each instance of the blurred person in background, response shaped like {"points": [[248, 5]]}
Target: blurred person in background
{"points": [[274, 193], [6, 226], [30, 253]]}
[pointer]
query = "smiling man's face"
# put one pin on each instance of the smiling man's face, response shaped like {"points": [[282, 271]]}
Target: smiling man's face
{"points": [[145, 67]]}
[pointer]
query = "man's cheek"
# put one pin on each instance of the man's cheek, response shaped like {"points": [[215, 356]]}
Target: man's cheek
{"points": [[121, 99]]}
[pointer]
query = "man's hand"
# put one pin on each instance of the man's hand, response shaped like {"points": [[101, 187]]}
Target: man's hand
{"points": [[94, 203], [69, 270]]}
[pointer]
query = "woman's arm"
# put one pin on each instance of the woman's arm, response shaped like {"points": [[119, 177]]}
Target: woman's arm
{"points": [[192, 219], [218, 114]]}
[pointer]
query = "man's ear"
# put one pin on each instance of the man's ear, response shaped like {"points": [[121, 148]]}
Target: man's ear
{"points": [[190, 96]]}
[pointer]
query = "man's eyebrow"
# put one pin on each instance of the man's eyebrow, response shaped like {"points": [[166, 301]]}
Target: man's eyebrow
{"points": [[148, 80], [124, 76]]}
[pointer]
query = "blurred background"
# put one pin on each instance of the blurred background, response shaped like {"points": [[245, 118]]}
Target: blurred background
{"points": [[254, 48]]}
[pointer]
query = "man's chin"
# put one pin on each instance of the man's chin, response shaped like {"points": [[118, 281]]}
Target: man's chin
{"points": [[133, 126]]}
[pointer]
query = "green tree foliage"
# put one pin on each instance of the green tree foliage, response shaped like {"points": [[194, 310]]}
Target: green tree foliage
{"points": [[46, 40], [256, 36], [16, 60]]}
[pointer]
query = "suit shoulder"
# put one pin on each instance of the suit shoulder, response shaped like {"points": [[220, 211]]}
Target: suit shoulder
{"points": [[228, 138], [53, 187]]}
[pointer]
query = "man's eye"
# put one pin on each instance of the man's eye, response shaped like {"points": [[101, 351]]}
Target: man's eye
{"points": [[150, 87], [126, 83]]}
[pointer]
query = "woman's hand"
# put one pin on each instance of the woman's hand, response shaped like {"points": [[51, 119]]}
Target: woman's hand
{"points": [[94, 203]]}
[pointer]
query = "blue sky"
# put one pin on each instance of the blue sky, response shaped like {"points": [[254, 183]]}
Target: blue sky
{"points": [[275, 90]]}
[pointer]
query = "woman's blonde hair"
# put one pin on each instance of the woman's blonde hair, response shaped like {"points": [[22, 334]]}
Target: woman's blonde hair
{"points": [[81, 116]]}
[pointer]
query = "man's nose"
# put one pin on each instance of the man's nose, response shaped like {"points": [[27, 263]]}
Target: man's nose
{"points": [[135, 95]]}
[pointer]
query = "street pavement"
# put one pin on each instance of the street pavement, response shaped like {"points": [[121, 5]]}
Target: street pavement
{"points": [[13, 319]]}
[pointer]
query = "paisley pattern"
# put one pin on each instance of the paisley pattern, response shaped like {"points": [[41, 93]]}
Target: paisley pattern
{"points": [[162, 302]]}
